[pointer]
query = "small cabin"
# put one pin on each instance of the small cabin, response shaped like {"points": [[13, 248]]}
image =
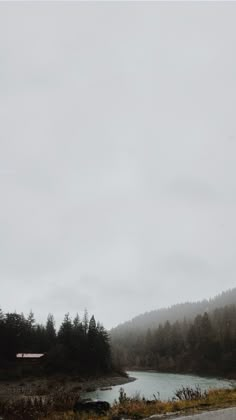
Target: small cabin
{"points": [[30, 358]]}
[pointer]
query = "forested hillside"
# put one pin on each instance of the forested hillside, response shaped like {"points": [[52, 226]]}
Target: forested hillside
{"points": [[178, 312], [79, 346], [181, 340]]}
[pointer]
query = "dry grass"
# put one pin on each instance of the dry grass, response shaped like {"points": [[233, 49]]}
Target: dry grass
{"points": [[134, 408], [138, 409]]}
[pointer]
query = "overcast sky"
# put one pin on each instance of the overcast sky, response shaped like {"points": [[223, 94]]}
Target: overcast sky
{"points": [[117, 156]]}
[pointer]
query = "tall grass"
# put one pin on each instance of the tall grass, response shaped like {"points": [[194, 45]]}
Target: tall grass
{"points": [[33, 408], [59, 406]]}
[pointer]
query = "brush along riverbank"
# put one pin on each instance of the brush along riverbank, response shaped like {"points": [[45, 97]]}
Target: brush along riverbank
{"points": [[137, 408], [56, 384], [59, 407]]}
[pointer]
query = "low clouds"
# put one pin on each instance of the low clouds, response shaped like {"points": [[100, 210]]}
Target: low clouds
{"points": [[117, 159], [193, 189]]}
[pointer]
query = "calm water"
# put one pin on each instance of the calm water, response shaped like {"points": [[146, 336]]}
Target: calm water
{"points": [[149, 383]]}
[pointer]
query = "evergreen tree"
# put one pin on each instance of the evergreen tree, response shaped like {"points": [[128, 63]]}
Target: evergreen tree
{"points": [[85, 322], [50, 329], [65, 330]]}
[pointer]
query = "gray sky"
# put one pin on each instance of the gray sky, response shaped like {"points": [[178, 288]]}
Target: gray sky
{"points": [[117, 156]]}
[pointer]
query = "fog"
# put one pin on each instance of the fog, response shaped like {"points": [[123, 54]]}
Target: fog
{"points": [[117, 156]]}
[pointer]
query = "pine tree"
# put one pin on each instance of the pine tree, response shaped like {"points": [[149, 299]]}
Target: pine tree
{"points": [[85, 322], [65, 330], [50, 331]]}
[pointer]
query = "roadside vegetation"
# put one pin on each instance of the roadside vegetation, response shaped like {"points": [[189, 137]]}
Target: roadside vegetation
{"points": [[60, 406]]}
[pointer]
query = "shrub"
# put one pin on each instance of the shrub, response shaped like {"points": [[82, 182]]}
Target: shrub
{"points": [[188, 393]]}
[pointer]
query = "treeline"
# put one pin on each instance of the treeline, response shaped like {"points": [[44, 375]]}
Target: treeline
{"points": [[178, 312], [79, 346], [204, 345]]}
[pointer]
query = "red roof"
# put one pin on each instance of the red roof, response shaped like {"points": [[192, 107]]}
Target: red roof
{"points": [[29, 355]]}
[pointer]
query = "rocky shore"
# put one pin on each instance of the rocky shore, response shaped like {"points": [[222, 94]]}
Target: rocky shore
{"points": [[30, 387], [107, 382]]}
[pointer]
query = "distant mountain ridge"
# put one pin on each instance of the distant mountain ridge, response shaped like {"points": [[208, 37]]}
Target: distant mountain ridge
{"points": [[196, 337], [188, 310]]}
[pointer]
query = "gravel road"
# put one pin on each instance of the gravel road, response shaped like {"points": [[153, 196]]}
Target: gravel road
{"points": [[225, 414]]}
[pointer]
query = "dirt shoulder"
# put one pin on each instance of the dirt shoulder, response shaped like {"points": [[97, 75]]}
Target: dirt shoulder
{"points": [[226, 414]]}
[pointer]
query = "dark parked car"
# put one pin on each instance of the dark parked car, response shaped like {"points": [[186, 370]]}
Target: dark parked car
{"points": [[96, 406]]}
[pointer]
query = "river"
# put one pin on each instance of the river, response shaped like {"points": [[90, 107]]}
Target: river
{"points": [[162, 385]]}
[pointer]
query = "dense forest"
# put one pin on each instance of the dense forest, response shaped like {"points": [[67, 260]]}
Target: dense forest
{"points": [[205, 344], [79, 346], [178, 312], [198, 337]]}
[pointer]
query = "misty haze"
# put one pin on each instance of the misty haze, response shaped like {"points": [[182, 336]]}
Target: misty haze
{"points": [[118, 201]]}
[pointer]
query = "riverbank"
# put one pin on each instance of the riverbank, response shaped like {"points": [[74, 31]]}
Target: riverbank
{"points": [[60, 407], [132, 409], [198, 402], [228, 376], [35, 387]]}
